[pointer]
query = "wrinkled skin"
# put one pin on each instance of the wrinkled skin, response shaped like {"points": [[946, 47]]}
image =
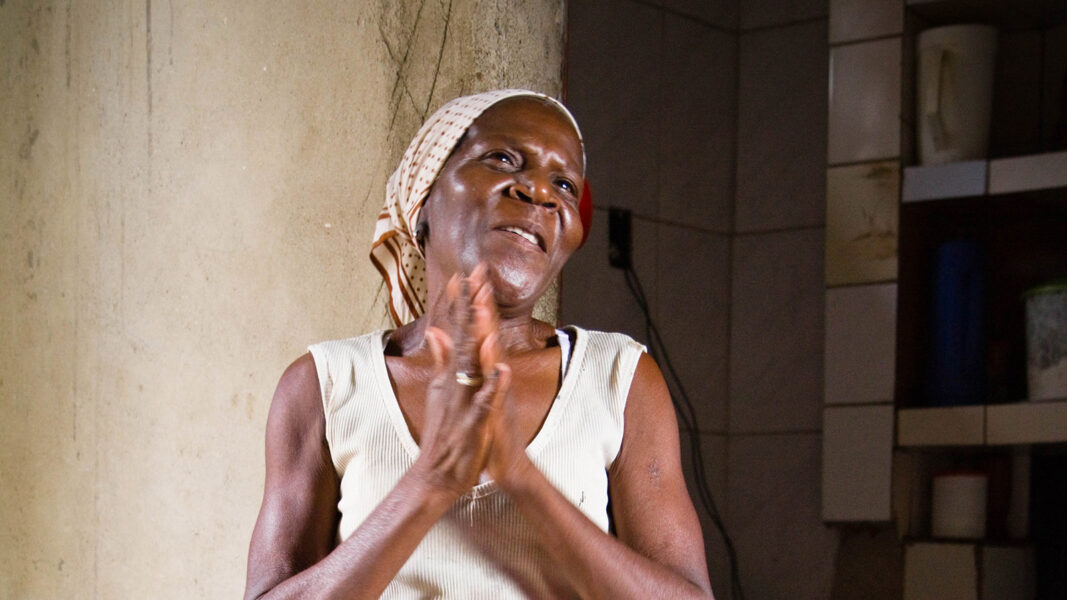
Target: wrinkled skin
{"points": [[520, 166]]}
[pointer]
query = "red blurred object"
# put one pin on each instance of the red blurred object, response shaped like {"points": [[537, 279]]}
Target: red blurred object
{"points": [[585, 210]]}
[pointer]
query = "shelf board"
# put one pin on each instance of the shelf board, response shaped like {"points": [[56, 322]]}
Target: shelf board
{"points": [[941, 182], [980, 177], [1041, 422], [1028, 173], [949, 426], [1026, 423]]}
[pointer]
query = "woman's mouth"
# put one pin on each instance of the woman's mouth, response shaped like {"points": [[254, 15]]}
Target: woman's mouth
{"points": [[531, 237]]}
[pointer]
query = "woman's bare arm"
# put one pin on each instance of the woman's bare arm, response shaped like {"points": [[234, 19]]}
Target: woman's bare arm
{"points": [[659, 552], [292, 553], [298, 519]]}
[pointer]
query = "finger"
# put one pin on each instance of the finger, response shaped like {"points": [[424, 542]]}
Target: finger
{"points": [[452, 287], [441, 349], [479, 280], [490, 398], [502, 385], [479, 272], [484, 310], [489, 353], [465, 339], [497, 395], [440, 345]]}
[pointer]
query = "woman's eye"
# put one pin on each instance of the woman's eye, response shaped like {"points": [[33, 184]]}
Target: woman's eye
{"points": [[502, 157]]}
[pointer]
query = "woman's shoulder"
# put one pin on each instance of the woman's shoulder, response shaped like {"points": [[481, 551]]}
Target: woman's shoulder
{"points": [[341, 359], [604, 339], [367, 340]]}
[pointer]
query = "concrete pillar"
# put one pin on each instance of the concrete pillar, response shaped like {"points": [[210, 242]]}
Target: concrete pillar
{"points": [[187, 192]]}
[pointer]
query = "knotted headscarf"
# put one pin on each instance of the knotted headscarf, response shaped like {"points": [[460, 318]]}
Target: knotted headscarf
{"points": [[395, 251]]}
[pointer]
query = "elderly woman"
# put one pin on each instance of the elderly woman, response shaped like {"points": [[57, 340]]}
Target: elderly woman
{"points": [[474, 451]]}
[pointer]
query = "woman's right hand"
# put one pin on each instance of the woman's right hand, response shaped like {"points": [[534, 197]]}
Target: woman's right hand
{"points": [[456, 434]]}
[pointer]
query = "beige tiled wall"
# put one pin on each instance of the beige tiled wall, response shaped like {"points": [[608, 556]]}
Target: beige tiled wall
{"points": [[865, 101], [862, 223], [861, 344], [697, 119], [866, 119], [773, 512], [776, 332], [781, 127], [728, 243], [857, 462], [852, 20]]}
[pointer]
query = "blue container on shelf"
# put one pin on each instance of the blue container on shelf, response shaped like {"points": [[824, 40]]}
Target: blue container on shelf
{"points": [[956, 373]]}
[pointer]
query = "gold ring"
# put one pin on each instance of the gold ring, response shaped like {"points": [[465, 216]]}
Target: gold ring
{"points": [[469, 380]]}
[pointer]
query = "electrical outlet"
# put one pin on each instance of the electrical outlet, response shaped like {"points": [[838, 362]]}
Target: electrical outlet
{"points": [[620, 248]]}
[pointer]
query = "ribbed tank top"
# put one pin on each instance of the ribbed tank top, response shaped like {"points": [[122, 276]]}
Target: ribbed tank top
{"points": [[483, 547]]}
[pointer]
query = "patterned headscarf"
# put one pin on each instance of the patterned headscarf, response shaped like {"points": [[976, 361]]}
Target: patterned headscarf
{"points": [[394, 250]]}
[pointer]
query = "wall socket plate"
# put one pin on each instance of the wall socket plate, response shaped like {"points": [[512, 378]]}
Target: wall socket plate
{"points": [[620, 248]]}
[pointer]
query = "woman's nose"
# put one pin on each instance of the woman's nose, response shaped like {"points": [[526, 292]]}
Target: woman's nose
{"points": [[532, 191]]}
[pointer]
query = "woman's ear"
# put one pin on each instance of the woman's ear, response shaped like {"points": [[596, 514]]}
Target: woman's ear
{"points": [[422, 231]]}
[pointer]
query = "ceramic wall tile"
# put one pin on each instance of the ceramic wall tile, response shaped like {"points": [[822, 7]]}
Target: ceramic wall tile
{"points": [[1007, 572], [860, 343], [782, 127], [865, 101], [852, 20], [870, 564], [938, 571], [698, 120], [776, 332], [594, 295], [693, 279], [862, 223], [857, 463], [718, 13], [770, 13], [622, 55], [714, 454], [784, 548]]}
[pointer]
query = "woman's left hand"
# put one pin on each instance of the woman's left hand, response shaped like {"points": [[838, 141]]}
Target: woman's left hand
{"points": [[507, 460]]}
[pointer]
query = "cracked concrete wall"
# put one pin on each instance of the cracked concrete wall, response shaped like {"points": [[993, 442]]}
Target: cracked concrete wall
{"points": [[187, 191]]}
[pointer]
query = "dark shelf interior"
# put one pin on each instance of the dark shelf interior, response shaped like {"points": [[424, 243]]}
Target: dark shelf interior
{"points": [[1010, 15], [1024, 237]]}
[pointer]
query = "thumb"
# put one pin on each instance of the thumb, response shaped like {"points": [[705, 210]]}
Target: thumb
{"points": [[441, 348]]}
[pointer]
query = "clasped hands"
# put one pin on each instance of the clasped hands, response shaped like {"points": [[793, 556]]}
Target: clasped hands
{"points": [[468, 427]]}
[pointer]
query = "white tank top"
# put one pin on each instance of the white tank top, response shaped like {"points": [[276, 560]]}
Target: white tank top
{"points": [[483, 547]]}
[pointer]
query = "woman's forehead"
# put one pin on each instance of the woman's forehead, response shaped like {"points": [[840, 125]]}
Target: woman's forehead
{"points": [[527, 119]]}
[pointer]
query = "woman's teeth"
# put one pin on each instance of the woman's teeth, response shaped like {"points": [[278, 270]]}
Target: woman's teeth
{"points": [[523, 234]]}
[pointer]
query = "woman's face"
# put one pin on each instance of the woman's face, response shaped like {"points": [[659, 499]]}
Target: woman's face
{"points": [[508, 196]]}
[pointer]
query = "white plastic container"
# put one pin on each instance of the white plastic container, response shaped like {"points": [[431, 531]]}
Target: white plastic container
{"points": [[1046, 341]]}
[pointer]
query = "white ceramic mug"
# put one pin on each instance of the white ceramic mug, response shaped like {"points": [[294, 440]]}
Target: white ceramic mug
{"points": [[955, 92]]}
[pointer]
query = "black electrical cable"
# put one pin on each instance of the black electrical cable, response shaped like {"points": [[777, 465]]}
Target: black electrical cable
{"points": [[688, 418]]}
